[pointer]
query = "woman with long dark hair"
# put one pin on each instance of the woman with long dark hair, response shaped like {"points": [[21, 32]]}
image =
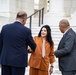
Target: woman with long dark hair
{"points": [[44, 54]]}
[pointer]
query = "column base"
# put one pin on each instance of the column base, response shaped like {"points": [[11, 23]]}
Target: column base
{"points": [[53, 18]]}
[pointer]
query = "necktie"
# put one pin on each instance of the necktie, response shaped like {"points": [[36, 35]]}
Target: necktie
{"points": [[43, 48]]}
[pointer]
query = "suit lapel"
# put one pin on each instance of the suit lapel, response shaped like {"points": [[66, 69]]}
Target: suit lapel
{"points": [[60, 42], [63, 38]]}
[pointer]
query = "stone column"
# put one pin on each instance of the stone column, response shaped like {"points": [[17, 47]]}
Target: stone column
{"points": [[13, 10], [57, 7], [73, 19], [28, 6], [43, 3], [25, 5], [4, 8], [4, 12], [73, 15], [56, 12], [21, 5]]}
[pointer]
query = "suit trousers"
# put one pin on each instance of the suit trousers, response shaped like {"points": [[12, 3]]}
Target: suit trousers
{"points": [[68, 72], [34, 71], [9, 70]]}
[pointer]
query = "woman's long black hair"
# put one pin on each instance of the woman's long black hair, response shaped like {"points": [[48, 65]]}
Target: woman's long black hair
{"points": [[48, 37]]}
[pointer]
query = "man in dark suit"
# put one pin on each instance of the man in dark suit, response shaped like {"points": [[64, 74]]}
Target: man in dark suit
{"points": [[66, 52], [15, 38]]}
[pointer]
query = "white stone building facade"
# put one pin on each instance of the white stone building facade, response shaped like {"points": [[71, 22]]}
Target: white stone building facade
{"points": [[57, 8]]}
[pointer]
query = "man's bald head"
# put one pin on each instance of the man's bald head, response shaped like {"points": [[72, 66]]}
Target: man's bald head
{"points": [[22, 17], [65, 22], [64, 25], [21, 14]]}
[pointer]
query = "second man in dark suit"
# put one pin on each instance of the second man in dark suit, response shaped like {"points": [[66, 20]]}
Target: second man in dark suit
{"points": [[66, 52], [15, 38]]}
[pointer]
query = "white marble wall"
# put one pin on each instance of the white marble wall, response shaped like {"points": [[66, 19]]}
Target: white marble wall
{"points": [[18, 5], [9, 9], [3, 21], [60, 9], [56, 12], [69, 7], [57, 7], [4, 8]]}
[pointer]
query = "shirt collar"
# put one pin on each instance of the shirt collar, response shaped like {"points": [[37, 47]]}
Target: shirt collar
{"points": [[66, 31], [18, 21]]}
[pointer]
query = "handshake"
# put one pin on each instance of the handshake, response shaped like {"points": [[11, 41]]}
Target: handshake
{"points": [[29, 50]]}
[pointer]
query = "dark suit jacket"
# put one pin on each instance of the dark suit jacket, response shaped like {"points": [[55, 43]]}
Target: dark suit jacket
{"points": [[15, 39], [67, 51]]}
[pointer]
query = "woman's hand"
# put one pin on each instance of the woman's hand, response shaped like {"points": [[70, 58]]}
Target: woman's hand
{"points": [[51, 69]]}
